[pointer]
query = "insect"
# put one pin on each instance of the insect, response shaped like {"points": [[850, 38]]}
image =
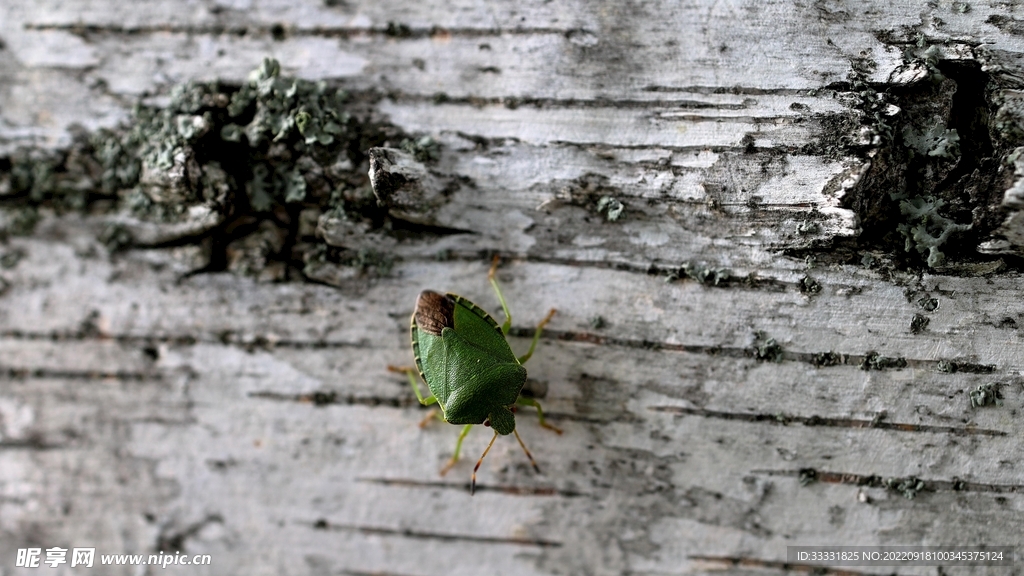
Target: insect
{"points": [[473, 375]]}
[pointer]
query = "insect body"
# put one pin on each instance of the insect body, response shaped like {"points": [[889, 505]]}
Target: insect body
{"points": [[473, 375]]}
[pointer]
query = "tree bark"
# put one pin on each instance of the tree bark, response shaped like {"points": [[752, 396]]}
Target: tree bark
{"points": [[745, 357]]}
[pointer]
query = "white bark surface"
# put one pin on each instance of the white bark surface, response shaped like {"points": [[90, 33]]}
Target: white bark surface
{"points": [[142, 409]]}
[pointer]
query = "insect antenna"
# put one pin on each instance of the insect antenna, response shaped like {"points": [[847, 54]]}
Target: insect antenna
{"points": [[528, 455], [472, 481]]}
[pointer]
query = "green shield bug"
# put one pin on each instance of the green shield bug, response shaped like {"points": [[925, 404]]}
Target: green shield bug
{"points": [[473, 375]]}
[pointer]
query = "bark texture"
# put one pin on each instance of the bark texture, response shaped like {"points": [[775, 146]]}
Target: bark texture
{"points": [[714, 195]]}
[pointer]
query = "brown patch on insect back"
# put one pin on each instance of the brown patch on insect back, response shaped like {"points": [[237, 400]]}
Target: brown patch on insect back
{"points": [[434, 311]]}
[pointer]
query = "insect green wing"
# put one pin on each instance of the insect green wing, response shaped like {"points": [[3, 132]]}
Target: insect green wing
{"points": [[466, 361], [480, 328], [482, 386]]}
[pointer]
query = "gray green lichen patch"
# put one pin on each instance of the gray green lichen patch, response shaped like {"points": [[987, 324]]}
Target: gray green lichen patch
{"points": [[954, 366], [934, 133], [918, 323], [807, 476], [611, 207], [424, 149], [335, 266], [594, 192], [65, 179], [823, 359], [909, 486], [271, 107], [701, 272], [116, 237], [933, 140], [926, 230], [254, 254], [767, 349], [20, 221], [244, 166], [986, 395], [809, 285], [1008, 120], [928, 150], [874, 361]]}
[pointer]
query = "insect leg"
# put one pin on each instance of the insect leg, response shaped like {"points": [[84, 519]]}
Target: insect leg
{"points": [[472, 480], [494, 282], [528, 455], [411, 373], [430, 416], [527, 401], [536, 336], [458, 448]]}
